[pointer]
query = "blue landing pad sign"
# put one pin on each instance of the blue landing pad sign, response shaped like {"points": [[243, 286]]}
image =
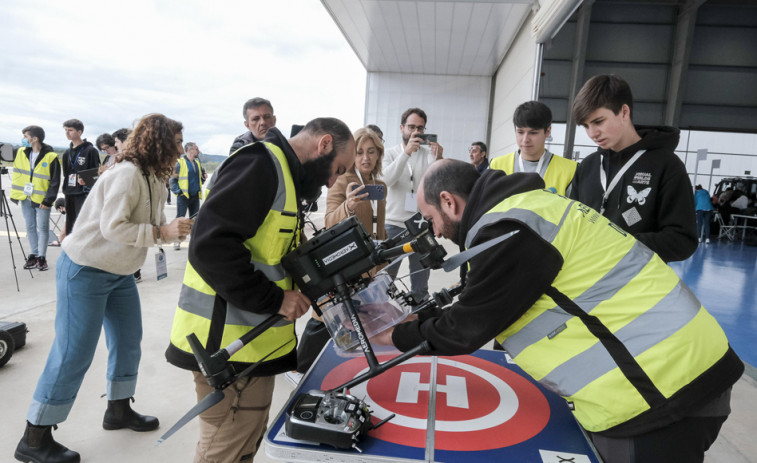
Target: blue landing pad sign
{"points": [[468, 408]]}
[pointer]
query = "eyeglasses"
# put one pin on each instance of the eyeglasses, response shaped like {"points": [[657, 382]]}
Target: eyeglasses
{"points": [[414, 128]]}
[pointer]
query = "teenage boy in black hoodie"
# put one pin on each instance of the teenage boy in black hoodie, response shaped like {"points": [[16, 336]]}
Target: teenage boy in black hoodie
{"points": [[80, 155], [635, 178], [583, 308]]}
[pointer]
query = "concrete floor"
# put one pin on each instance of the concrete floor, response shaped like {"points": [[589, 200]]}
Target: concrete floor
{"points": [[166, 391]]}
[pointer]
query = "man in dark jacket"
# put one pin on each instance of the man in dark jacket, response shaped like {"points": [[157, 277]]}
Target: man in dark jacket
{"points": [[258, 118], [80, 155], [635, 178], [583, 308]]}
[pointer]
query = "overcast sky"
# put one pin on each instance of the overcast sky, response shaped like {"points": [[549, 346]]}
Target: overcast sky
{"points": [[109, 63]]}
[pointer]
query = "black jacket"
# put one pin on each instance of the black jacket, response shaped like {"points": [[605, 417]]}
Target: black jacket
{"points": [[503, 282], [656, 187], [506, 280], [52, 189], [239, 202], [83, 157], [242, 140]]}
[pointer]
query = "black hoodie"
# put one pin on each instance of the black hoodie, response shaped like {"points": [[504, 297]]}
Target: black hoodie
{"points": [[74, 160], [653, 200], [504, 282]]}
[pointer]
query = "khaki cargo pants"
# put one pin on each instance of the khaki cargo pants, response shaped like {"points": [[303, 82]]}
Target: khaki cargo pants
{"points": [[232, 430]]}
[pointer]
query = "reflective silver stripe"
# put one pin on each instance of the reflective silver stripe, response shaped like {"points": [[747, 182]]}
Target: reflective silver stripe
{"points": [[21, 171], [613, 281], [37, 192], [237, 316], [279, 202], [183, 178], [647, 330], [16, 187], [543, 227], [196, 302], [42, 176], [272, 272]]}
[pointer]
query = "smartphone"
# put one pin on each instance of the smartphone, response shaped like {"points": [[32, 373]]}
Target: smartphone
{"points": [[375, 192], [427, 137]]}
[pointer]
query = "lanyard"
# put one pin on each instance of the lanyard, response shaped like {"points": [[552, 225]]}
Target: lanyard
{"points": [[374, 207], [538, 166], [616, 179], [73, 163]]}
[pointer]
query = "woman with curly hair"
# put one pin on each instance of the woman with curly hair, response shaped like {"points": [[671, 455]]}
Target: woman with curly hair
{"points": [[122, 217]]}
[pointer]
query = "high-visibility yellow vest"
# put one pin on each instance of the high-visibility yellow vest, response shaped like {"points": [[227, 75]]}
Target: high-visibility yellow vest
{"points": [[184, 176], [559, 174], [279, 234], [648, 319], [40, 177]]}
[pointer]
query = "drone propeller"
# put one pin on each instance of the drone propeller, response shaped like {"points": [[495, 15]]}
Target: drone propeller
{"points": [[215, 396], [207, 402], [459, 259]]}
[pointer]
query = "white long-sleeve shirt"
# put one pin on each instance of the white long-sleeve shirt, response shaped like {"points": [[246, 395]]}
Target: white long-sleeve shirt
{"points": [[115, 226], [403, 174]]}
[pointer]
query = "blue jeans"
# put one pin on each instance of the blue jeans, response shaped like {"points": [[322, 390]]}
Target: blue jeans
{"points": [[37, 227], [703, 224], [418, 281], [182, 203], [88, 299]]}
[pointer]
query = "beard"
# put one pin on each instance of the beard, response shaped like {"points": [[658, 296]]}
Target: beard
{"points": [[315, 174], [450, 229]]}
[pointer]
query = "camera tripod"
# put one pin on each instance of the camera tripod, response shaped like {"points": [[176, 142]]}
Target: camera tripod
{"points": [[5, 212]]}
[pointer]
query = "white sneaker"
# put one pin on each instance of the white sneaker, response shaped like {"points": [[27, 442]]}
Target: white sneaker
{"points": [[293, 377], [700, 239], [177, 246], [708, 241]]}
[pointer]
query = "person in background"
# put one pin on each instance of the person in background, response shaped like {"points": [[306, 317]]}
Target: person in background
{"points": [[377, 131], [119, 138], [533, 125], [403, 167], [80, 155], [107, 145], [635, 179], [347, 198], [477, 153], [601, 321], [187, 181], [34, 184], [122, 218], [703, 206], [258, 118]]}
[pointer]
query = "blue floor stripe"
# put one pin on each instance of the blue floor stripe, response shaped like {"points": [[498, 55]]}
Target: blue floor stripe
{"points": [[723, 275]]}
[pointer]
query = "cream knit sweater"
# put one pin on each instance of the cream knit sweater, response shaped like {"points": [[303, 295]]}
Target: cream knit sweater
{"points": [[114, 228]]}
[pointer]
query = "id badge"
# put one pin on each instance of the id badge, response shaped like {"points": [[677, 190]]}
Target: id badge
{"points": [[411, 204], [161, 267], [72, 180], [28, 189]]}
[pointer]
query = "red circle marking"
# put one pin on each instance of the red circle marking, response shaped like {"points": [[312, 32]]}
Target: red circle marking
{"points": [[530, 418]]}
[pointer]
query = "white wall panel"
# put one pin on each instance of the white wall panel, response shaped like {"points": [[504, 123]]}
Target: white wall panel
{"points": [[513, 85], [456, 106]]}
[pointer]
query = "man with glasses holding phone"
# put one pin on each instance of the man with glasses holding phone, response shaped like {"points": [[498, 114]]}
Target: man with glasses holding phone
{"points": [[403, 167]]}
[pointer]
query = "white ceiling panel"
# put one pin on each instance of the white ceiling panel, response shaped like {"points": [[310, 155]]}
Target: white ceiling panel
{"points": [[430, 37]]}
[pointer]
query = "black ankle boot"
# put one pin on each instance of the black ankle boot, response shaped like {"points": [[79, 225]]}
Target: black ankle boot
{"points": [[38, 446], [120, 415]]}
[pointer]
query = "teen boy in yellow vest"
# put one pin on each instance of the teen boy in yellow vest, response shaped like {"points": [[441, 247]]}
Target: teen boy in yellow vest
{"points": [[533, 125], [582, 307], [35, 183], [234, 279]]}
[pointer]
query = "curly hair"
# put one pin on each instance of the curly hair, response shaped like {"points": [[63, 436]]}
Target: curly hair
{"points": [[152, 146]]}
